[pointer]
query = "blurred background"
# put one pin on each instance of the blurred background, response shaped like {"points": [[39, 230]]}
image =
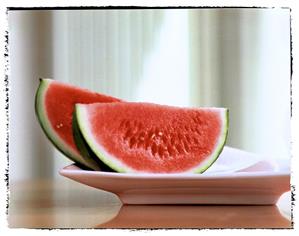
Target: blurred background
{"points": [[229, 57]]}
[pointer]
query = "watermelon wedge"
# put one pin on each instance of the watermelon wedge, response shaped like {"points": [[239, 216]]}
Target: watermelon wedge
{"points": [[54, 106], [151, 138]]}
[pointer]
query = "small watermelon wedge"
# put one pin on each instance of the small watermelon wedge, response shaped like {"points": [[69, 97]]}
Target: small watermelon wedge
{"points": [[151, 138], [54, 106]]}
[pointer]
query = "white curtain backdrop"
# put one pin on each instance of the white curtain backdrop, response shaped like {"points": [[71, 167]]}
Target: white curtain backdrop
{"points": [[236, 58], [241, 60]]}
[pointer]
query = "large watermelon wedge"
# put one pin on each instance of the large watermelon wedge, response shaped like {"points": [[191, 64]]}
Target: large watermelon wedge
{"points": [[151, 138], [54, 106]]}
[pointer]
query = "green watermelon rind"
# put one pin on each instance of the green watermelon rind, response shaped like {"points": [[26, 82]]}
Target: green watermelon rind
{"points": [[48, 129], [83, 122]]}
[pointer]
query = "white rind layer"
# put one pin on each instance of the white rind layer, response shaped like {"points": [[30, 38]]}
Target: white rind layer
{"points": [[114, 163]]}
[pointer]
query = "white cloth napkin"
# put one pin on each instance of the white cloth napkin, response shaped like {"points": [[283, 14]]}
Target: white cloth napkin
{"points": [[235, 160]]}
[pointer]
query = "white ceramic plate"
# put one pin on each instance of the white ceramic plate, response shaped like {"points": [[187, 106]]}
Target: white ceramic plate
{"points": [[237, 177]]}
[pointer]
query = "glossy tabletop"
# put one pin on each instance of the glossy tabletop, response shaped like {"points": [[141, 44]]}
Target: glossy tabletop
{"points": [[63, 203]]}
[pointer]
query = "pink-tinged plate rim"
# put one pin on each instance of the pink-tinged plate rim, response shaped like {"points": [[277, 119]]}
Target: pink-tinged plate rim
{"points": [[75, 170]]}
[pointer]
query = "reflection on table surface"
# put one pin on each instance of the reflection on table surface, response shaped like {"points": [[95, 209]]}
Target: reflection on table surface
{"points": [[194, 216], [66, 204]]}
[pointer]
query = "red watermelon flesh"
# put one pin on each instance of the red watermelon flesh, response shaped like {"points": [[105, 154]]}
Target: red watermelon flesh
{"points": [[54, 105], [151, 138]]}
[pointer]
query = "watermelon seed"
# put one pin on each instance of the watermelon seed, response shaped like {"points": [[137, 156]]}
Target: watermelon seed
{"points": [[127, 124], [128, 134], [147, 144], [142, 136], [188, 138], [132, 142], [135, 126], [179, 148], [195, 119], [180, 136], [150, 132], [164, 138], [195, 140], [199, 131], [161, 151], [140, 144], [59, 126], [139, 126], [156, 130], [166, 154], [154, 149], [172, 140], [193, 129], [122, 124], [186, 146], [170, 150]]}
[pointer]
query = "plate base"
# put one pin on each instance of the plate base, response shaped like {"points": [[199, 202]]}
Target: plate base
{"points": [[220, 199]]}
